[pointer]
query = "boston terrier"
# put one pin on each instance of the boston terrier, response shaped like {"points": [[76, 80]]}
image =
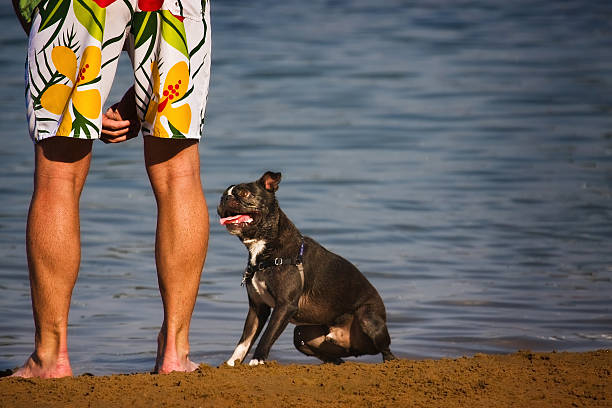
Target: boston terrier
{"points": [[291, 278]]}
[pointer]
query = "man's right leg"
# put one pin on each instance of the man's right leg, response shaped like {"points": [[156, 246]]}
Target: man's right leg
{"points": [[54, 250]]}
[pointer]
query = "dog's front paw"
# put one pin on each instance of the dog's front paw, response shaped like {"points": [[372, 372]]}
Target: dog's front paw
{"points": [[256, 362], [232, 363]]}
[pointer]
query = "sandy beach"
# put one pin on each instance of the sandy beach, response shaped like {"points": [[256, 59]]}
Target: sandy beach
{"points": [[522, 379]]}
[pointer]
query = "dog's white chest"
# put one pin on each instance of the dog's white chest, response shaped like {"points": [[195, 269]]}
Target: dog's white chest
{"points": [[256, 247], [260, 290]]}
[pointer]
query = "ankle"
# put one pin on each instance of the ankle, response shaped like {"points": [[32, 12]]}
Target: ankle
{"points": [[173, 355], [51, 358]]}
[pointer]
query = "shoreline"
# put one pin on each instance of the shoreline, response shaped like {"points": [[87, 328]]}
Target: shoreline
{"points": [[556, 379]]}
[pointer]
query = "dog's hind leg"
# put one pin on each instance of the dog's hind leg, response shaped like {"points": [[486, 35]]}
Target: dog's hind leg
{"points": [[374, 327], [314, 341]]}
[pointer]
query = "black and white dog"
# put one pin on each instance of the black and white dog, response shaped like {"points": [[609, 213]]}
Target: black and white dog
{"points": [[337, 312]]}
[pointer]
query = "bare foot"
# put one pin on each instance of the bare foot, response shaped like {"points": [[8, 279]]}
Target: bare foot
{"points": [[169, 366], [34, 367]]}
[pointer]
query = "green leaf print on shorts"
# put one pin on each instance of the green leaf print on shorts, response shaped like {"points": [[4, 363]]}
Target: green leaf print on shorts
{"points": [[173, 32], [91, 16], [144, 27], [53, 12]]}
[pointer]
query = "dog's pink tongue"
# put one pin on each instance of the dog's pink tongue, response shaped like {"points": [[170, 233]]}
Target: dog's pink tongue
{"points": [[236, 219]]}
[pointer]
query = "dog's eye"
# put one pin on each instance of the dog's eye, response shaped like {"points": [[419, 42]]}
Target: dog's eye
{"points": [[244, 193]]}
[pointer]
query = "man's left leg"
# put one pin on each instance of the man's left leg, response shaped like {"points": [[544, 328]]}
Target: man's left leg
{"points": [[181, 242]]}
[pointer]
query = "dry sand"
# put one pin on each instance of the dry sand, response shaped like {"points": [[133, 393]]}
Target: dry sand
{"points": [[523, 379]]}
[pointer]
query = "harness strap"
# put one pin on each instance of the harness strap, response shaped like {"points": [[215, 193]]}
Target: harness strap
{"points": [[260, 266]]}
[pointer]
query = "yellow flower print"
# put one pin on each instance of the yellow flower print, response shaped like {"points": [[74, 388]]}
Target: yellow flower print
{"points": [[84, 102], [175, 86]]}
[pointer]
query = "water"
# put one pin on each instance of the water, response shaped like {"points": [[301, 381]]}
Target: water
{"points": [[459, 153]]}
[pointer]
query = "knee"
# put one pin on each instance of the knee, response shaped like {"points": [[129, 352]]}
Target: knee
{"points": [[62, 165], [173, 166], [171, 155]]}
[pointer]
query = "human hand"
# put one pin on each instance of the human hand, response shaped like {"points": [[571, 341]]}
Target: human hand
{"points": [[120, 122]]}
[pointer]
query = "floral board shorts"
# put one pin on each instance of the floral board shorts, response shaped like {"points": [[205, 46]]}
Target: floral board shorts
{"points": [[73, 51]]}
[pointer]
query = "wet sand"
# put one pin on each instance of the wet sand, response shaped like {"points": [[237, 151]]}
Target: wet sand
{"points": [[523, 379]]}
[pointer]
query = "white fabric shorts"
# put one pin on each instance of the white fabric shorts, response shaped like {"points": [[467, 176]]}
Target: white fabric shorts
{"points": [[73, 51]]}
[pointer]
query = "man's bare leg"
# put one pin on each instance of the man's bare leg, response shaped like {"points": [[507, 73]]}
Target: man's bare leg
{"points": [[54, 250], [181, 242]]}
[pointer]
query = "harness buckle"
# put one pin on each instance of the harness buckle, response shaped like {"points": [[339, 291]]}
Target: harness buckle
{"points": [[278, 261]]}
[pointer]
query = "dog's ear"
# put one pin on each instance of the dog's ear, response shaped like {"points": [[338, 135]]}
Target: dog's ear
{"points": [[270, 181]]}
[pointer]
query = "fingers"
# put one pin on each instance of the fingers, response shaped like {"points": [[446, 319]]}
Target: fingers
{"points": [[120, 122], [119, 136], [115, 129], [117, 139], [112, 121], [120, 131]]}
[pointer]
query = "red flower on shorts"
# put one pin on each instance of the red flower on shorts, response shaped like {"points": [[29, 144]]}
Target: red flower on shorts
{"points": [[150, 5], [154, 5], [104, 3]]}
